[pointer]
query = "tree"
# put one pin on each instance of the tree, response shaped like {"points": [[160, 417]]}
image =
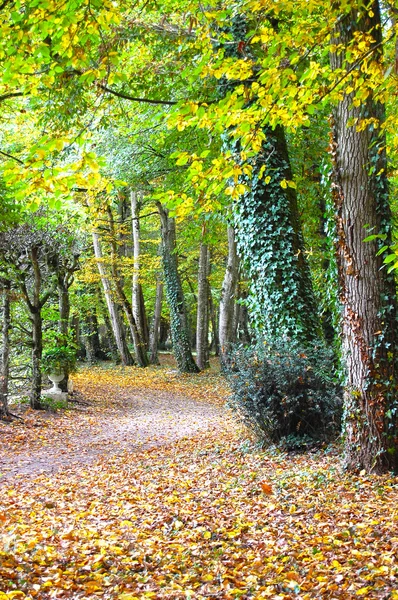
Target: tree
{"points": [[367, 291], [175, 296]]}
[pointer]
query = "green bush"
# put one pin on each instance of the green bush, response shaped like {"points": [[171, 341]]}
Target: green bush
{"points": [[286, 394], [59, 359]]}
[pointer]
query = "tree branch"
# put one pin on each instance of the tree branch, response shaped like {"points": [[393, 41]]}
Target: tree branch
{"points": [[133, 98], [12, 157], [10, 94]]}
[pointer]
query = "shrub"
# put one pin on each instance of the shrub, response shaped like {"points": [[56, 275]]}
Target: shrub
{"points": [[59, 359], [286, 394]]}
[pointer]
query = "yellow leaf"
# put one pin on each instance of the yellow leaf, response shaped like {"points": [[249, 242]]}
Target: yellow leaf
{"points": [[127, 597], [362, 591], [207, 535], [292, 509], [284, 184]]}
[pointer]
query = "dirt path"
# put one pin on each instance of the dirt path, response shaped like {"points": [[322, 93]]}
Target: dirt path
{"points": [[135, 419]]}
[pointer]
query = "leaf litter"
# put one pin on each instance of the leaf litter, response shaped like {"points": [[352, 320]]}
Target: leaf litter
{"points": [[199, 515]]}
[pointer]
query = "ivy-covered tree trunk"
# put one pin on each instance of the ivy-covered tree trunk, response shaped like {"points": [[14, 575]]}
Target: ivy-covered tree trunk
{"points": [[5, 348], [180, 334], [227, 301], [367, 291], [157, 315], [116, 323], [268, 231], [281, 301], [202, 315]]}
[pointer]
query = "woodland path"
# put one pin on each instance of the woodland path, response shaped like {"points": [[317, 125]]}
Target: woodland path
{"points": [[114, 419], [147, 489]]}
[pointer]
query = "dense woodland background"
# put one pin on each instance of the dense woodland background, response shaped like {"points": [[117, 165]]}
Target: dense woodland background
{"points": [[215, 179]]}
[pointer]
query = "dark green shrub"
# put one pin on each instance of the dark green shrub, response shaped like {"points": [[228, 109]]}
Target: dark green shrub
{"points": [[286, 394]]}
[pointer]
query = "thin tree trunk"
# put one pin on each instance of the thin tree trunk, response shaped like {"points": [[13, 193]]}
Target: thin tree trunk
{"points": [[367, 291], [5, 349], [138, 304], [215, 343], [64, 313], [202, 321], [116, 324], [139, 346], [227, 301], [37, 333], [109, 341], [64, 307], [154, 358], [178, 314]]}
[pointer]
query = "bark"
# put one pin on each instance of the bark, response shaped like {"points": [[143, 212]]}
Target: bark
{"points": [[5, 350], [367, 291], [139, 345], [109, 339], [37, 332], [215, 342], [115, 320], [202, 320], [138, 304], [227, 301], [64, 307], [91, 338], [178, 314], [154, 358]]}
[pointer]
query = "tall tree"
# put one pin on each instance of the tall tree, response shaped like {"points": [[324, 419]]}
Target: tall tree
{"points": [[367, 291], [175, 295]]}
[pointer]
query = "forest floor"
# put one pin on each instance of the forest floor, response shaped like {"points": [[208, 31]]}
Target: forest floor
{"points": [[147, 488]]}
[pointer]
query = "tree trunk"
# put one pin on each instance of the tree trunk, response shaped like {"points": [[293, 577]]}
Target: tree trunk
{"points": [[154, 358], [139, 345], [64, 313], [178, 315], [227, 301], [109, 340], [138, 304], [202, 321], [367, 291], [5, 349], [281, 300], [91, 338], [64, 307], [37, 333], [116, 323], [215, 342], [37, 351]]}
